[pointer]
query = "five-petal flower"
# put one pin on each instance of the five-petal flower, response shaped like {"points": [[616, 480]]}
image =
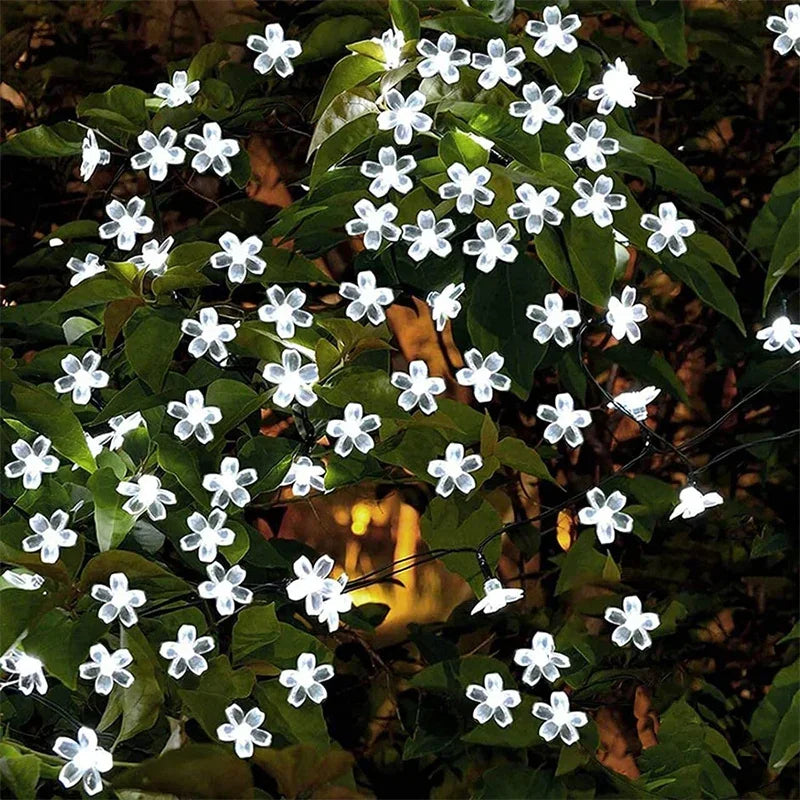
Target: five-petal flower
{"points": [[553, 32], [107, 668], [667, 230], [353, 430], [442, 58], [591, 144], [306, 681], [445, 305], [92, 155], [225, 588], [692, 502], [558, 719], [564, 421], [552, 320], [624, 313], [496, 597], [126, 222], [418, 389], [228, 484], [293, 379], [375, 223], [212, 150], [158, 153], [32, 461], [483, 374], [491, 245], [788, 29], [82, 376], [207, 535], [635, 403], [468, 187], [120, 426], [493, 700], [303, 475], [118, 600], [178, 92], [453, 470], [335, 601], [194, 417], [498, 65], [28, 669], [154, 255], [536, 208], [187, 652], [146, 495], [783, 333], [616, 89], [274, 52], [208, 334], [428, 236], [244, 729], [597, 200], [310, 582], [87, 267], [85, 761], [285, 310], [239, 257], [366, 298], [538, 107], [632, 623], [606, 514], [541, 659], [49, 536], [389, 172], [404, 115]]}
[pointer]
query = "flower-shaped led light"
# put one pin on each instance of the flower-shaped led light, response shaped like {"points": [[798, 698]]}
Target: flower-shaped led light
{"points": [[228, 484], [153, 258], [442, 58], [538, 107], [225, 588], [207, 535], [310, 582], [389, 172], [445, 305], [126, 222], [366, 298], [85, 761], [624, 313], [27, 581], [635, 403], [212, 150], [32, 462], [293, 379], [106, 668], [496, 597], [304, 475], [668, 230], [606, 514], [82, 376], [483, 374], [158, 153], [468, 187], [285, 310], [692, 502], [146, 495], [453, 470], [553, 32], [49, 536], [375, 223], [564, 421], [632, 623], [120, 426], [536, 208], [178, 92], [428, 236], [335, 601], [783, 333], [208, 335], [392, 42], [493, 700], [274, 52], [788, 29], [187, 652], [404, 115], [541, 659], [194, 417], [491, 245], [28, 670], [118, 600], [617, 88], [244, 729], [306, 681], [92, 155], [239, 257], [558, 719], [498, 65], [353, 430], [418, 389], [591, 144], [597, 200], [90, 266], [552, 320]]}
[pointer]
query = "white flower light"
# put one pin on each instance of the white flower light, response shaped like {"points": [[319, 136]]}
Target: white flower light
{"points": [[541, 659], [389, 172], [187, 652], [92, 155], [49, 536], [306, 680], [239, 257], [538, 107], [285, 310], [606, 514], [274, 51], [28, 670], [158, 153], [668, 230], [88, 268], [692, 503], [441, 58], [788, 30], [310, 582], [453, 471], [616, 89], [178, 92], [244, 729], [304, 475], [496, 597], [32, 462], [553, 320], [554, 32], [146, 495], [498, 65], [107, 668], [118, 600], [632, 623], [428, 236], [468, 187], [27, 581], [536, 208], [597, 200], [120, 426], [483, 374], [154, 256], [82, 376], [228, 484], [559, 720], [493, 700], [624, 313], [194, 417], [366, 298], [444, 305], [375, 223], [564, 421], [392, 42], [491, 245], [354, 430], [635, 403], [417, 388], [208, 335], [85, 760], [212, 150], [207, 535], [126, 222], [591, 144], [783, 333], [293, 379], [225, 588], [334, 602], [404, 115]]}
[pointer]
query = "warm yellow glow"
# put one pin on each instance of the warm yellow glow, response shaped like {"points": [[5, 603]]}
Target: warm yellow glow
{"points": [[361, 515], [564, 529]]}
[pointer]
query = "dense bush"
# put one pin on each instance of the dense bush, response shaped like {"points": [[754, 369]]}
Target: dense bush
{"points": [[588, 231]]}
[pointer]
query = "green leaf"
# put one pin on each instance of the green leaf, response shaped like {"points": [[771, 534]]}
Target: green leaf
{"points": [[294, 725], [143, 573], [255, 627], [785, 253], [330, 37], [111, 522], [204, 61], [786, 744], [46, 141], [270, 456], [405, 18], [582, 564], [120, 107], [236, 400], [465, 23], [177, 459], [346, 73], [19, 772], [140, 703], [21, 610], [712, 249], [92, 292], [648, 366], [345, 107], [591, 254], [151, 336], [516, 454], [769, 221], [662, 22], [289, 266], [459, 147]]}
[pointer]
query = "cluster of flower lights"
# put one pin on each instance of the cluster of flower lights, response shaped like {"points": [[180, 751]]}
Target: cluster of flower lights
{"points": [[294, 379]]}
